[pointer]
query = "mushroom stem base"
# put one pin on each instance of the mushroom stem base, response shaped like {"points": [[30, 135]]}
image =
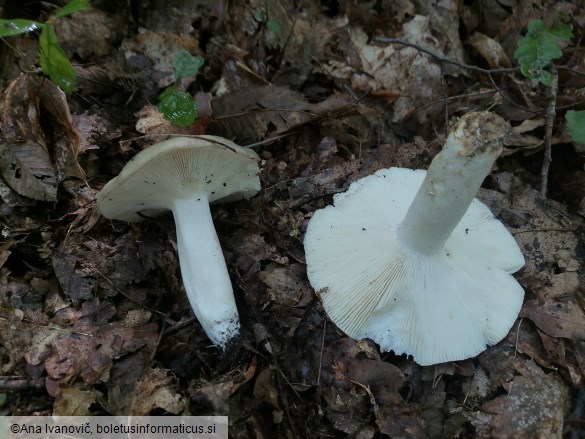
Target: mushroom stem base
{"points": [[204, 270]]}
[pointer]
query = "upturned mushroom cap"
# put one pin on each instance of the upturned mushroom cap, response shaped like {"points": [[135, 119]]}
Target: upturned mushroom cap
{"points": [[184, 175], [178, 168], [437, 300]]}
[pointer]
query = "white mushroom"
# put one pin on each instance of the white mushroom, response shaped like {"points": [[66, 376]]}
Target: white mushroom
{"points": [[411, 260], [184, 175]]}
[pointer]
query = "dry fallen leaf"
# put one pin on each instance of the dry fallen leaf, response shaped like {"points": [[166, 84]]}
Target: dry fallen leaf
{"points": [[36, 156], [264, 111], [490, 50], [265, 387], [155, 390], [534, 407], [72, 401], [213, 396], [402, 73], [160, 49]]}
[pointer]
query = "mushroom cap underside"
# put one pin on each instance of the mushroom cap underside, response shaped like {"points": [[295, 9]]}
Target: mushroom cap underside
{"points": [[181, 167], [442, 307]]}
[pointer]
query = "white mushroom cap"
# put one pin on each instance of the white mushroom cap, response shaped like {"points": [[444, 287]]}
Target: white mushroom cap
{"points": [[178, 168], [412, 261], [184, 175]]}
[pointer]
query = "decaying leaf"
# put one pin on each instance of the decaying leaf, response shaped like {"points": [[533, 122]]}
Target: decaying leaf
{"points": [[213, 396], [155, 391], [89, 350], [28, 170], [160, 49], [287, 285], [534, 405], [558, 313], [89, 32], [72, 401], [269, 110], [4, 252], [409, 78], [548, 237], [77, 287], [348, 411], [490, 50], [39, 145], [265, 387]]}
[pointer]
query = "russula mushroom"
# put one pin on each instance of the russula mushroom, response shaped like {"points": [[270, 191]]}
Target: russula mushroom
{"points": [[409, 258], [185, 175]]}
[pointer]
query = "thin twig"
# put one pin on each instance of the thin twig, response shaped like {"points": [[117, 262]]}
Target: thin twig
{"points": [[549, 119], [444, 59], [321, 354], [108, 280], [570, 69], [444, 96]]}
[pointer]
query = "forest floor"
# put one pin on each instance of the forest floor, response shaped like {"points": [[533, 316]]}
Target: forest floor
{"points": [[93, 314]]}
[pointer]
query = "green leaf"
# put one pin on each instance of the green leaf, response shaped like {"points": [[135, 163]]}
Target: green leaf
{"points": [[273, 26], [54, 61], [539, 47], [71, 7], [17, 26], [259, 15], [576, 125], [177, 106], [186, 64]]}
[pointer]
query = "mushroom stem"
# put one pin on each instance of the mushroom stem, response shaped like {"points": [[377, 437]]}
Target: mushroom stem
{"points": [[452, 181], [203, 269]]}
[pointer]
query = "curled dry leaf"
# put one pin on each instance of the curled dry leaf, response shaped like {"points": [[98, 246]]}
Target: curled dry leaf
{"points": [[155, 390], [490, 50], [35, 157]]}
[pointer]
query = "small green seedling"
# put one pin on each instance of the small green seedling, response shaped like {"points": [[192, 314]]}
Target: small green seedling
{"points": [[536, 51], [539, 47], [178, 106], [261, 16], [54, 61]]}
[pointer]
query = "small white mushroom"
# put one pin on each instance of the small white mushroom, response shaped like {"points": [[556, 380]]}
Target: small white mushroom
{"points": [[185, 175], [411, 260]]}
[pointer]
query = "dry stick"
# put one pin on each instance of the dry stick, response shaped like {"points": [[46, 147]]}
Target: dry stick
{"points": [[12, 384], [549, 119], [443, 58]]}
